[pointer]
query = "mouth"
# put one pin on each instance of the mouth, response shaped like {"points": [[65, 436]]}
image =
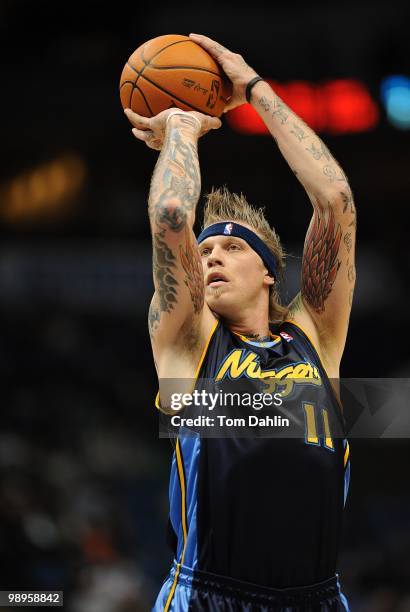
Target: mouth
{"points": [[216, 283], [216, 279]]}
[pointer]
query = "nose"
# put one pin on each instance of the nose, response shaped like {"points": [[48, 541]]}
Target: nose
{"points": [[215, 258]]}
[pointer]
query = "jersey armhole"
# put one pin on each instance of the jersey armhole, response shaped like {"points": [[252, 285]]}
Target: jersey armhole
{"points": [[199, 366], [317, 356]]}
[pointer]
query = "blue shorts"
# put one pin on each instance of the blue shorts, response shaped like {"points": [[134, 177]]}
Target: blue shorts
{"points": [[187, 590]]}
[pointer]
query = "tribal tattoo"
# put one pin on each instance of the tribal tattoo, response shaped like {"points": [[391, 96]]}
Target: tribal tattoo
{"points": [[320, 263], [194, 277], [164, 264]]}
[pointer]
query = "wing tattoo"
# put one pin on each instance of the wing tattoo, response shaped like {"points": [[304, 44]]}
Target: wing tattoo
{"points": [[320, 262]]}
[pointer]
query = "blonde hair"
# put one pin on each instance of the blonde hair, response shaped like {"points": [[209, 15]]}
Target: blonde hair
{"points": [[222, 205]]}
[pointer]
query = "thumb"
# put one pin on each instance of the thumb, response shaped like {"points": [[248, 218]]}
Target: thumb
{"points": [[214, 123]]}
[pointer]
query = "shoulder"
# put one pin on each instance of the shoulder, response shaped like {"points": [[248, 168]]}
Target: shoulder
{"points": [[299, 316]]}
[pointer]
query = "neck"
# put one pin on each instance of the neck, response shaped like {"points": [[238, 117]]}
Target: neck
{"points": [[251, 333], [250, 319], [251, 326]]}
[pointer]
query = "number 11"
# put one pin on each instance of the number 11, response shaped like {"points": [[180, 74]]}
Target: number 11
{"points": [[311, 436]]}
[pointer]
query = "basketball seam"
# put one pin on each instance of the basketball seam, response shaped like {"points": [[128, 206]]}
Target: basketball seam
{"points": [[184, 67], [176, 42], [172, 96], [145, 100], [139, 73]]}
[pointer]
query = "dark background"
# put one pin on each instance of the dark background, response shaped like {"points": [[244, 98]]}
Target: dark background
{"points": [[83, 475]]}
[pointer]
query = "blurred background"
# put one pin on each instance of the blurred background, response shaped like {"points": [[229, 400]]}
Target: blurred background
{"points": [[83, 475]]}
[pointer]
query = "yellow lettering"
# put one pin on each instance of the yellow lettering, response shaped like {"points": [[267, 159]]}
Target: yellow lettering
{"points": [[233, 366]]}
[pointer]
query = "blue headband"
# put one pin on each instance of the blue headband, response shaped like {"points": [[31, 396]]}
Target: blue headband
{"points": [[234, 229]]}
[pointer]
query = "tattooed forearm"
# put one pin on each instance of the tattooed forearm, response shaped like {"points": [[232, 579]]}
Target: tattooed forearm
{"points": [[298, 132], [319, 152], [316, 153], [176, 178], [194, 278], [299, 144], [321, 258], [280, 111], [164, 264], [334, 173], [279, 108], [264, 103], [325, 151]]}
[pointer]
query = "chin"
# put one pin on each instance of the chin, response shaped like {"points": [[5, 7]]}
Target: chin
{"points": [[218, 302]]}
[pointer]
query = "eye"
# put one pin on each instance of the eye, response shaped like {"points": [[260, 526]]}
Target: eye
{"points": [[234, 247], [205, 252]]}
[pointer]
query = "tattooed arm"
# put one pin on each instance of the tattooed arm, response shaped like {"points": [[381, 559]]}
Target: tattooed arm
{"points": [[328, 271], [328, 266], [176, 311]]}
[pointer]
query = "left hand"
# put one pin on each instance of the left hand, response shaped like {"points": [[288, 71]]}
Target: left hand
{"points": [[234, 66], [151, 130]]}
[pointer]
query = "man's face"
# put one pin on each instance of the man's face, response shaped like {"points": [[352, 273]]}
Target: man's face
{"points": [[234, 274]]}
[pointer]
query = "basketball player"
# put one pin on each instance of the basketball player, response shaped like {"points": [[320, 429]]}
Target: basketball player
{"points": [[255, 523]]}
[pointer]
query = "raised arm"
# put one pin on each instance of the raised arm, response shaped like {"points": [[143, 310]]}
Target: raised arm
{"points": [[178, 300], [328, 264], [328, 269]]}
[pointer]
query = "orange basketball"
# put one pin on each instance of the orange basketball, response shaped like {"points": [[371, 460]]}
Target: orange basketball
{"points": [[172, 70]]}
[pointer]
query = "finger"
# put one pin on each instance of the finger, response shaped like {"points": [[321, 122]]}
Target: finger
{"points": [[214, 123], [154, 144], [213, 47], [137, 120], [144, 135], [210, 126]]}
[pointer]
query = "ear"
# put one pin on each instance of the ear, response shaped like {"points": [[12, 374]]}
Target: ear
{"points": [[268, 279]]}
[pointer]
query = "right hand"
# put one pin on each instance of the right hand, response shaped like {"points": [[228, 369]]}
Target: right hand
{"points": [[151, 130], [234, 66]]}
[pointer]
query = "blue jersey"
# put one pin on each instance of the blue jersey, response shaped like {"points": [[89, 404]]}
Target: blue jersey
{"points": [[264, 510]]}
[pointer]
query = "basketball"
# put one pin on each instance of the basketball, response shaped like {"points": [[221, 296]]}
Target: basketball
{"points": [[170, 71]]}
